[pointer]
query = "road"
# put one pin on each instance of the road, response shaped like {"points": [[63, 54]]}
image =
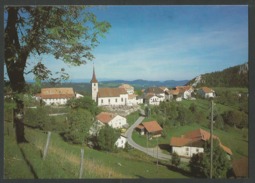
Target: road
{"points": [[154, 152]]}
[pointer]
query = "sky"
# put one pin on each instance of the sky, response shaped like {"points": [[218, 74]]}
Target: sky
{"points": [[163, 43]]}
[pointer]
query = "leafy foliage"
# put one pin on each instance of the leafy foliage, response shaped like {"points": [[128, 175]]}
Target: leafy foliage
{"points": [[69, 33], [176, 160], [106, 138], [85, 103], [200, 163], [79, 123], [236, 118]]}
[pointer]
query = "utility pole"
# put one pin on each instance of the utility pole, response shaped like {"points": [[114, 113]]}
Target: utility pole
{"points": [[157, 154], [211, 138]]}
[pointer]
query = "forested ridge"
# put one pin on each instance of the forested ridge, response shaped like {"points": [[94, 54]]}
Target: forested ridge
{"points": [[236, 76]]}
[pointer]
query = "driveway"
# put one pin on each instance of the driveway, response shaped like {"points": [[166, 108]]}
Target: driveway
{"points": [[154, 152]]}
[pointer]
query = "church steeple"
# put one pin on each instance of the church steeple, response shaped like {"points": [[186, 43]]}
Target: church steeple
{"points": [[94, 79], [94, 85]]}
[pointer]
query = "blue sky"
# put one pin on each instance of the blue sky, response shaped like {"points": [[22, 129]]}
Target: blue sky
{"points": [[164, 42]]}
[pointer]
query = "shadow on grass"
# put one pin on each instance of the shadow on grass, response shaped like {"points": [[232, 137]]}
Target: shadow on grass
{"points": [[175, 169], [165, 147], [28, 163], [140, 177]]}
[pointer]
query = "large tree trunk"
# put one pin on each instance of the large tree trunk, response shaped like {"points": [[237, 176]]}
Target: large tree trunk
{"points": [[15, 60]]}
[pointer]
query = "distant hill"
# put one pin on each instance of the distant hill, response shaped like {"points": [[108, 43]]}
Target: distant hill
{"points": [[236, 76], [139, 83]]}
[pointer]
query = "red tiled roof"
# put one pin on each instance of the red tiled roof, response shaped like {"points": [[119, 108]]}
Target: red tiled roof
{"points": [[105, 117], [52, 93], [240, 167], [185, 88], [199, 134], [226, 149], [196, 135], [152, 126], [140, 127], [111, 92], [174, 92], [179, 141], [207, 90]]}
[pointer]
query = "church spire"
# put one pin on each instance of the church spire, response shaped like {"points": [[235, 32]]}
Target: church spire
{"points": [[94, 79]]}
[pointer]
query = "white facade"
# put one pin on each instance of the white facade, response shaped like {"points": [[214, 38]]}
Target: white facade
{"points": [[94, 88], [56, 101], [118, 122], [206, 94], [178, 99], [77, 95], [105, 101], [187, 151], [121, 142], [154, 100]]}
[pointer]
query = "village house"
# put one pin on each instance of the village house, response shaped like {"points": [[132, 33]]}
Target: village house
{"points": [[193, 143], [180, 92], [56, 96], [129, 89], [240, 168], [156, 91], [151, 128], [134, 99], [206, 92], [152, 99], [121, 141], [113, 120]]}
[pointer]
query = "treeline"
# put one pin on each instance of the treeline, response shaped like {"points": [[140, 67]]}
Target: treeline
{"points": [[236, 76]]}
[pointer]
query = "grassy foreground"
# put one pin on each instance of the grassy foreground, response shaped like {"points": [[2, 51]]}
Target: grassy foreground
{"points": [[63, 160]]}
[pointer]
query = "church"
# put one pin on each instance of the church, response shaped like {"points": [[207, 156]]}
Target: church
{"points": [[107, 96]]}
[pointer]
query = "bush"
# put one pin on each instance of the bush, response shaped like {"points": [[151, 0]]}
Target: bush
{"points": [[176, 160]]}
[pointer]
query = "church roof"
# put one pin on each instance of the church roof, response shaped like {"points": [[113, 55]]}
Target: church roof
{"points": [[55, 93], [110, 92], [94, 79]]}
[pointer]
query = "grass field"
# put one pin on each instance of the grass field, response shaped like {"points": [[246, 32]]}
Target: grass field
{"points": [[63, 160]]}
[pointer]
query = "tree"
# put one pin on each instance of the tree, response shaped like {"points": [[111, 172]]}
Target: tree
{"points": [[106, 138], [236, 118], [69, 33], [85, 103], [200, 163], [176, 160], [80, 121]]}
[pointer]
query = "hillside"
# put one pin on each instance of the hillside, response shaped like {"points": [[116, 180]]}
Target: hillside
{"points": [[236, 76]]}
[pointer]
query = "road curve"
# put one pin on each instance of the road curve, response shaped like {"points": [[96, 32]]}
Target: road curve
{"points": [[154, 152]]}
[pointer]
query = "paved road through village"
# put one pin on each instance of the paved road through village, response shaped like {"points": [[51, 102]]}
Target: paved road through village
{"points": [[154, 152]]}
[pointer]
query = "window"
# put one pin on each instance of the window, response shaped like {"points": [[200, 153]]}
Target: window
{"points": [[187, 149], [197, 150], [116, 100], [102, 101], [121, 99], [109, 100]]}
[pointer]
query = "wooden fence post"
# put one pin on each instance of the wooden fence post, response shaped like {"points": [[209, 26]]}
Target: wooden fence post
{"points": [[46, 146], [81, 163]]}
